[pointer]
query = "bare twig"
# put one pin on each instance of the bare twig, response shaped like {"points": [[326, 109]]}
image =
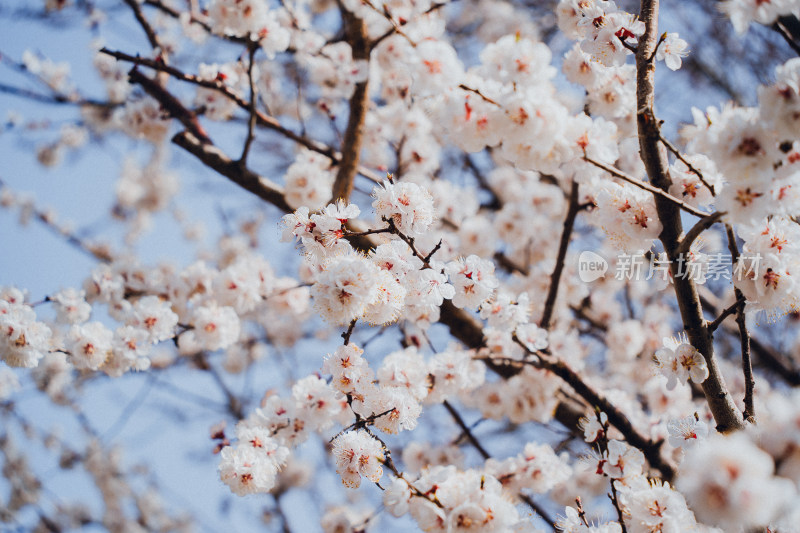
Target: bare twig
{"points": [[216, 159], [677, 153], [466, 430], [695, 231], [744, 336], [346, 335], [152, 37], [251, 121], [728, 311], [615, 502], [647, 187], [555, 278], [171, 105]]}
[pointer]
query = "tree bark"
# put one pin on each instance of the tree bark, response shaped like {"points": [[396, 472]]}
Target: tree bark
{"points": [[726, 414]]}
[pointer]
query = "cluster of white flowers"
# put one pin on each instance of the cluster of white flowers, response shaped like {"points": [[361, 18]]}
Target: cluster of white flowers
{"points": [[55, 75], [602, 28], [455, 501], [628, 216], [251, 19], [333, 68], [768, 270], [265, 437], [23, 340], [434, 240], [407, 205], [144, 119], [473, 279], [308, 181], [358, 454], [537, 469], [730, 483], [252, 465]]}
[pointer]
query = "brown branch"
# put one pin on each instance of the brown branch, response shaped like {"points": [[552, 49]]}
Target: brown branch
{"points": [[744, 336], [651, 449], [152, 37], [677, 153], [356, 33], [728, 311], [615, 502], [251, 121], [555, 278], [216, 159], [171, 105], [726, 414]]}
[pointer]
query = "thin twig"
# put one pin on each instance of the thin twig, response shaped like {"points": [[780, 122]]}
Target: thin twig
{"points": [[54, 98], [346, 335], [543, 359], [486, 455], [615, 502], [251, 121], [728, 311], [263, 119], [646, 186], [555, 278], [466, 430], [744, 336], [152, 37], [695, 231], [677, 153]]}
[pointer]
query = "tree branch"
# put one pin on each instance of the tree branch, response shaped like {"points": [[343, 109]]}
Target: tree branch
{"points": [[726, 415], [171, 105], [356, 32], [251, 120], [216, 159], [555, 279], [744, 336], [695, 231], [152, 37]]}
